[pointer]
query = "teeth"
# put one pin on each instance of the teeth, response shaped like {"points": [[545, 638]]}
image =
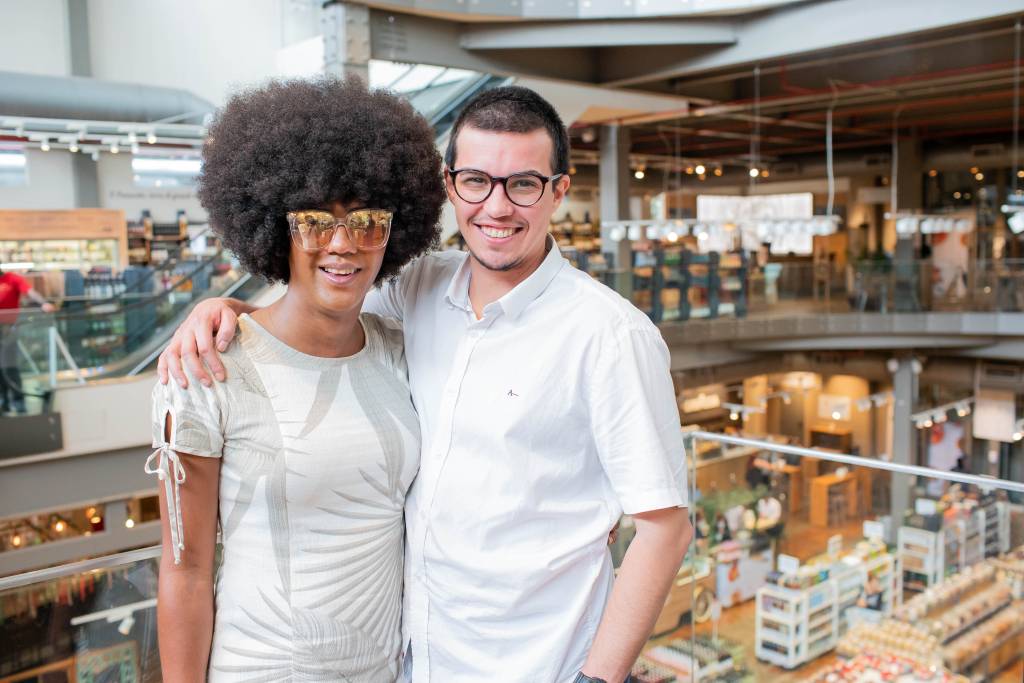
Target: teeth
{"points": [[338, 271], [491, 232]]}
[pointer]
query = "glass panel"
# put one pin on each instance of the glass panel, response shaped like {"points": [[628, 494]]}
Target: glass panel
{"points": [[92, 625], [692, 285], [813, 576]]}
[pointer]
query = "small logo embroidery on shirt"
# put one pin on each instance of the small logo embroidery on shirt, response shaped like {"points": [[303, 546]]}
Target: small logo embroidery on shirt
{"points": [[512, 394]]}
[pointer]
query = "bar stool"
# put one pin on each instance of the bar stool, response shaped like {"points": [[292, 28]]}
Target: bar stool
{"points": [[837, 505]]}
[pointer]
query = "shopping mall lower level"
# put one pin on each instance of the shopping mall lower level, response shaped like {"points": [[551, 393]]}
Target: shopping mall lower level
{"points": [[818, 204]]}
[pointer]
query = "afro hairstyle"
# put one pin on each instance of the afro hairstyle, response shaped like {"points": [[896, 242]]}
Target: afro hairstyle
{"points": [[303, 144]]}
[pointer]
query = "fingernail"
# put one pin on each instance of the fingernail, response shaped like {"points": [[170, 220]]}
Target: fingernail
{"points": [[206, 382], [219, 376], [222, 346], [182, 383]]}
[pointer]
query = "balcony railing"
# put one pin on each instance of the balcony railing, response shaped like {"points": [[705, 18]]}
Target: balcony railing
{"points": [[783, 557], [673, 284]]}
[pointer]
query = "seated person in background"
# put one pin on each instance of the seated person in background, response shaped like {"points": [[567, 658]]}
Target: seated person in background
{"points": [[756, 472], [871, 596]]}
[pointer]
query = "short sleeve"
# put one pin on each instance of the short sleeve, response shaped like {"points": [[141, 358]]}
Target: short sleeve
{"points": [[635, 419], [21, 284], [197, 424], [388, 299]]}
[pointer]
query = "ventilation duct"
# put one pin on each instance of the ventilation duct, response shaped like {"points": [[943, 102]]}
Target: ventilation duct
{"points": [[71, 97]]}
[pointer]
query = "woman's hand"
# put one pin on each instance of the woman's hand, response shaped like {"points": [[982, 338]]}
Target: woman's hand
{"points": [[195, 340]]}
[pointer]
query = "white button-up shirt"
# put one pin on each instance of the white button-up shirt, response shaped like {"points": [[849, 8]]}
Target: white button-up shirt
{"points": [[541, 423]]}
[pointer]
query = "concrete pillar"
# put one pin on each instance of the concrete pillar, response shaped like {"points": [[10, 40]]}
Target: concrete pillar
{"points": [[909, 180], [83, 168], [904, 437], [614, 190], [346, 31]]}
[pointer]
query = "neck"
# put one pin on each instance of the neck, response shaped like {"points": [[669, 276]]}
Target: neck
{"points": [[310, 329], [487, 286]]}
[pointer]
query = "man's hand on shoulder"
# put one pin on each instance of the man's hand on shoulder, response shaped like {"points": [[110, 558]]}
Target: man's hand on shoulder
{"points": [[194, 342]]}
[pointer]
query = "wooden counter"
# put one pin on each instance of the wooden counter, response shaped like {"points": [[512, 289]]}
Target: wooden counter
{"points": [[820, 487]]}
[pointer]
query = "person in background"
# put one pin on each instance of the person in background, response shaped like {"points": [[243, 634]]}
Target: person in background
{"points": [[13, 288]]}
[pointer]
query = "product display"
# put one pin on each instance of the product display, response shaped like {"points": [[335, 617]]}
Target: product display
{"points": [[892, 637], [873, 668], [946, 594], [701, 660]]}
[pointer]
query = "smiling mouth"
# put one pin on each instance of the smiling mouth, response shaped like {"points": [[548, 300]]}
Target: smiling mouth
{"points": [[498, 233], [339, 274]]}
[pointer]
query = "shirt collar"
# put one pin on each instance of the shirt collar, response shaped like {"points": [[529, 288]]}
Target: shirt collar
{"points": [[516, 301]]}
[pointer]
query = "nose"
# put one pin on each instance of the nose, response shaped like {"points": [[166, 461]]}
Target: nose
{"points": [[341, 242], [498, 204]]}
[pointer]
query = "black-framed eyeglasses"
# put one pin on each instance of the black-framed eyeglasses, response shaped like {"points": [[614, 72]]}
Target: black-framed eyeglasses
{"points": [[522, 189]]}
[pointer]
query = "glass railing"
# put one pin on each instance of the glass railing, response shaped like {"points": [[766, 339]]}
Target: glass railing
{"points": [[802, 569], [109, 336], [669, 284]]}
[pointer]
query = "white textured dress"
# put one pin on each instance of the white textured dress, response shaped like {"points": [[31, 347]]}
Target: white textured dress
{"points": [[316, 457]]}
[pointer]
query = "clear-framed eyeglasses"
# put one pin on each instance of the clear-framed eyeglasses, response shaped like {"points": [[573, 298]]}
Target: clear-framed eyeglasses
{"points": [[367, 229]]}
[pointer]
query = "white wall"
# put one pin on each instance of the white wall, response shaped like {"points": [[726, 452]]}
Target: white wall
{"points": [[207, 47], [51, 183], [118, 191], [34, 37]]}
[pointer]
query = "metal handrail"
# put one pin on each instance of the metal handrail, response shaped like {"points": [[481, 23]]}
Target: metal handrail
{"points": [[856, 460], [94, 564]]}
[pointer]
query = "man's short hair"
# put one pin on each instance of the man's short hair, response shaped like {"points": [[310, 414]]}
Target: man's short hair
{"points": [[513, 109]]}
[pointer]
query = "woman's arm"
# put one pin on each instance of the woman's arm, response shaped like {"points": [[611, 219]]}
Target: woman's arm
{"points": [[185, 597]]}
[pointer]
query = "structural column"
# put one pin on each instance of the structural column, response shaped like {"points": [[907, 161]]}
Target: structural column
{"points": [[346, 31], [904, 446], [614, 193]]}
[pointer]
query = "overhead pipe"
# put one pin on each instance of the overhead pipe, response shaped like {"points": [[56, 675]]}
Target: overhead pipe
{"points": [[73, 97]]}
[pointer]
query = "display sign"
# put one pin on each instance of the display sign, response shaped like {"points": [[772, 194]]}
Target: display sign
{"points": [[874, 530], [995, 415], [925, 506], [835, 546], [787, 564], [701, 402], [834, 407]]}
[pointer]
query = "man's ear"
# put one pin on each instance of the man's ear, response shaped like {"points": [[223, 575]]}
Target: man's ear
{"points": [[561, 188], [449, 187]]}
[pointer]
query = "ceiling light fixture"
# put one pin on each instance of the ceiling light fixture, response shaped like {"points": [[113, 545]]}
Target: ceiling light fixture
{"points": [[700, 169]]}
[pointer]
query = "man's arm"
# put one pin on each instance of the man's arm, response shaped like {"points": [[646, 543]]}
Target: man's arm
{"points": [[638, 596]]}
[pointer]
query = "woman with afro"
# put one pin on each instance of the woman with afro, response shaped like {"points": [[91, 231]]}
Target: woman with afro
{"points": [[302, 458]]}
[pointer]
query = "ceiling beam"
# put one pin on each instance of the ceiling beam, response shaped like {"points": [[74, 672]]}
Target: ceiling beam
{"points": [[812, 27], [562, 34]]}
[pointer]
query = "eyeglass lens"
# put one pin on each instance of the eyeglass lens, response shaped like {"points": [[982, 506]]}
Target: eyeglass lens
{"points": [[475, 186], [367, 228]]}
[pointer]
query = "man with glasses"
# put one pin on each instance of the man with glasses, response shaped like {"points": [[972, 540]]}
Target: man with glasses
{"points": [[546, 409]]}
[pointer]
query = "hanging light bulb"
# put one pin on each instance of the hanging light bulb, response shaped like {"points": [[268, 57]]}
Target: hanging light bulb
{"points": [[765, 173], [979, 176], [73, 147], [129, 523], [734, 415], [114, 148], [59, 526], [700, 169], [754, 172], [718, 171], [639, 174], [45, 145], [689, 170], [151, 138], [16, 540]]}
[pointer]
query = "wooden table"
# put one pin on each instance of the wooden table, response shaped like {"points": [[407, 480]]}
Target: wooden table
{"points": [[819, 496]]}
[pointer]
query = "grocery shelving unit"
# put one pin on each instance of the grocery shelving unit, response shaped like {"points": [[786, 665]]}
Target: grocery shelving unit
{"points": [[921, 555], [795, 625]]}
